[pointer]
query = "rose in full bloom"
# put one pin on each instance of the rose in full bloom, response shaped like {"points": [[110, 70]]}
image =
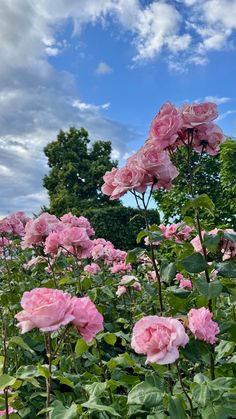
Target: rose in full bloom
{"points": [[202, 326], [44, 308], [109, 185], [87, 319], [93, 268], [165, 126], [208, 137], [159, 338], [198, 113]]}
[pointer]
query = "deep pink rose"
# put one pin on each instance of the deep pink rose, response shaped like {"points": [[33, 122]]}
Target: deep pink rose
{"points": [[198, 113], [202, 326], [159, 338], [52, 243], [165, 126], [185, 283], [87, 319], [44, 308]]}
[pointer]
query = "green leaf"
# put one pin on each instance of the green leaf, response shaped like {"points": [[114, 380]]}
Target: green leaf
{"points": [[194, 263], [181, 292], [27, 371], [167, 271], [215, 412], [99, 407], [201, 201], [6, 381], [61, 412], [226, 269], [141, 235], [145, 395], [43, 371], [17, 340], [196, 351], [176, 408], [211, 241], [209, 289], [134, 254], [110, 338], [1, 363], [81, 347]]}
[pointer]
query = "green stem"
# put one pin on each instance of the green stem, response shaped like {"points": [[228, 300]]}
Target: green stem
{"points": [[184, 389], [4, 334], [48, 380]]}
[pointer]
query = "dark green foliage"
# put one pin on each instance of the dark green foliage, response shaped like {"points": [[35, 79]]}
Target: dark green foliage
{"points": [[214, 176], [77, 168], [120, 225]]}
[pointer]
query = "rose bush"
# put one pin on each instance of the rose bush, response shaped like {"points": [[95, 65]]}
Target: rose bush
{"points": [[148, 333]]}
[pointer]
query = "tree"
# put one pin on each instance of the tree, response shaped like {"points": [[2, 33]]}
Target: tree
{"points": [[77, 167], [214, 176]]}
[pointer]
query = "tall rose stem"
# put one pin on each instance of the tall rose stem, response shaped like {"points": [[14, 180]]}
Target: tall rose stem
{"points": [[199, 230], [184, 390], [144, 209], [47, 340], [4, 334]]}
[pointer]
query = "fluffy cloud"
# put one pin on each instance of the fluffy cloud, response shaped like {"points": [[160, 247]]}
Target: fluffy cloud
{"points": [[103, 68]]}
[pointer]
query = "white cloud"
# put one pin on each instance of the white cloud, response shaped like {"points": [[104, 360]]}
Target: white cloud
{"points": [[217, 100], [103, 69], [225, 114], [52, 51]]}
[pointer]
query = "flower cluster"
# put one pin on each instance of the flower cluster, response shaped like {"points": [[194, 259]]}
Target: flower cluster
{"points": [[183, 282], [171, 128], [48, 309], [226, 246], [177, 232], [14, 224]]}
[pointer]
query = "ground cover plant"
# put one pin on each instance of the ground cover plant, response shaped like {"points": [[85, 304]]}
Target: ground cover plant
{"points": [[92, 331]]}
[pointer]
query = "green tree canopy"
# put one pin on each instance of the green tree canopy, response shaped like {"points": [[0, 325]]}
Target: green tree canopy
{"points": [[76, 170], [214, 176]]}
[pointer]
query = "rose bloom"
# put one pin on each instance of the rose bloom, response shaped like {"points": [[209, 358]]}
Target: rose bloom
{"points": [[198, 113], [109, 185], [10, 410], [87, 319], [202, 326], [125, 281], [165, 126], [52, 243], [185, 283], [128, 178], [44, 308], [159, 338], [208, 137], [93, 268], [120, 267]]}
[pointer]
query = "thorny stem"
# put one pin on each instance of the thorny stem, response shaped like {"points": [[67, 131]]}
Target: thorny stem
{"points": [[184, 390], [53, 273]]}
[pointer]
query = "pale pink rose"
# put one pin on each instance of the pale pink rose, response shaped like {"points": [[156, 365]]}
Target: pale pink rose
{"points": [[208, 137], [52, 243], [93, 268], [202, 326], [121, 290], [198, 113], [87, 319], [152, 276], [109, 185], [185, 283], [73, 221], [37, 230], [10, 410], [165, 126], [127, 280], [74, 236], [120, 267], [128, 178], [44, 308], [159, 338], [178, 232], [197, 243]]}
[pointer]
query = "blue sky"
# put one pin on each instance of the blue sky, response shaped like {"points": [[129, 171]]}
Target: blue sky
{"points": [[107, 65]]}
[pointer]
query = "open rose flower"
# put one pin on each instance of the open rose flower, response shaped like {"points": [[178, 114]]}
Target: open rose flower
{"points": [[159, 338], [87, 319], [202, 326], [44, 308], [198, 113]]}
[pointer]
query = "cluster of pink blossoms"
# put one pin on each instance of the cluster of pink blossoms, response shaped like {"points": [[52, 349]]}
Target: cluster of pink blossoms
{"points": [[190, 125], [227, 247], [178, 232], [48, 309], [159, 338], [14, 224]]}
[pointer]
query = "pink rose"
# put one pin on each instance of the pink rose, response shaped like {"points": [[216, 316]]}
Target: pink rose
{"points": [[52, 243], [121, 290], [159, 338], [120, 267], [93, 268], [185, 283], [178, 277], [207, 138], [128, 178], [198, 113], [44, 308], [202, 326], [87, 319], [127, 280], [10, 410], [165, 126], [109, 185]]}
